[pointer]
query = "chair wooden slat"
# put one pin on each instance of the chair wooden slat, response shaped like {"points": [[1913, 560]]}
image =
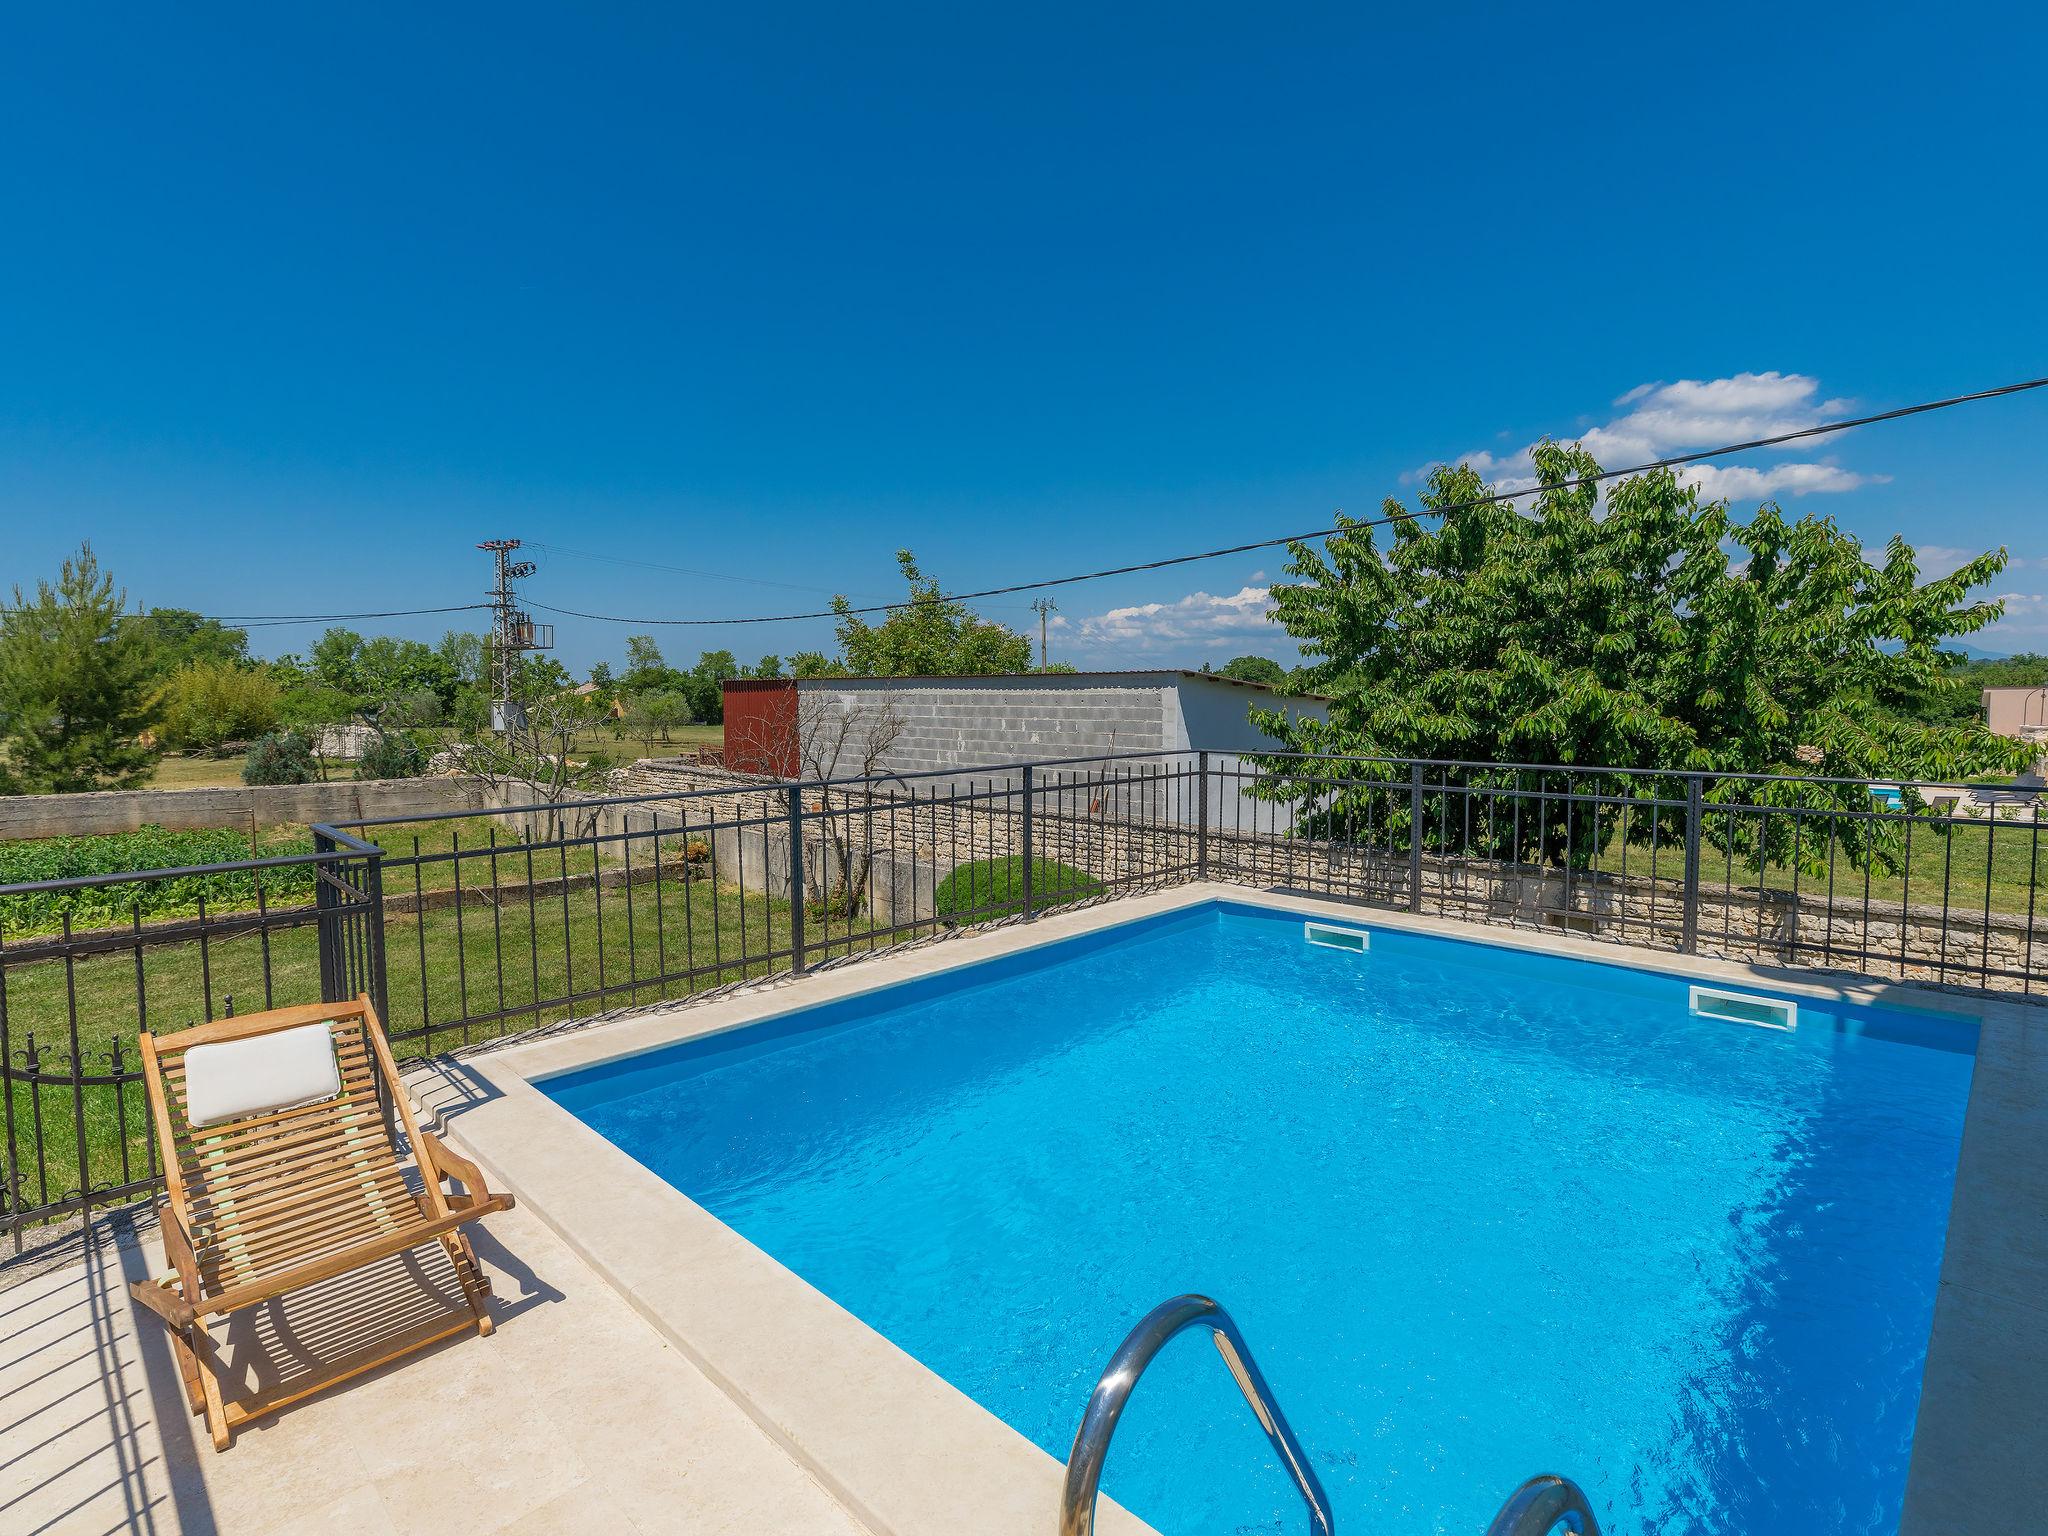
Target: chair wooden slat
{"points": [[285, 1199]]}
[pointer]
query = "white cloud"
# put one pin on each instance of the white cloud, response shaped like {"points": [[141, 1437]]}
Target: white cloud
{"points": [[1664, 419], [1937, 560], [2024, 627], [1197, 616]]}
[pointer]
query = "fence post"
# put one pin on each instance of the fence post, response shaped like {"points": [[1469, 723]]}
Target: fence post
{"points": [[1695, 805], [327, 922], [1030, 857], [1202, 815], [796, 879], [373, 937], [1415, 838]]}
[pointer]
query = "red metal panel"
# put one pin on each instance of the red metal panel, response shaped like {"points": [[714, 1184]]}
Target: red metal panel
{"points": [[760, 725]]}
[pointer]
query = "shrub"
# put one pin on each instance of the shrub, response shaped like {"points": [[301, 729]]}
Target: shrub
{"points": [[282, 757], [152, 847], [989, 888], [211, 703], [392, 756]]}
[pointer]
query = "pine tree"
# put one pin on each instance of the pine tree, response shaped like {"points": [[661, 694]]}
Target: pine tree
{"points": [[78, 686]]}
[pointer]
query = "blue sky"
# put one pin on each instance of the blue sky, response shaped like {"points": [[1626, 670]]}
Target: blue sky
{"points": [[299, 307]]}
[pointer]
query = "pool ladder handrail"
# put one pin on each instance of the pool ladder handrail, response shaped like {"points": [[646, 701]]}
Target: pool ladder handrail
{"points": [[1106, 1406], [1543, 1503]]}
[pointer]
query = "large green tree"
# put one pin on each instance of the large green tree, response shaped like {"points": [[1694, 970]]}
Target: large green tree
{"points": [[1655, 631], [1254, 669], [182, 638], [926, 637], [78, 686]]}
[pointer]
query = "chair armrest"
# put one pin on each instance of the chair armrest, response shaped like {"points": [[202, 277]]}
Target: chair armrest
{"points": [[446, 1163], [164, 1302]]}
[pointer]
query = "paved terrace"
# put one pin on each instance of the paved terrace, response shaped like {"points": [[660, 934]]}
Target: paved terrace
{"points": [[580, 1414], [574, 1416]]}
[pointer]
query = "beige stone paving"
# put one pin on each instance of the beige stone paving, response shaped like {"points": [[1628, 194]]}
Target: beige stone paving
{"points": [[575, 1416]]}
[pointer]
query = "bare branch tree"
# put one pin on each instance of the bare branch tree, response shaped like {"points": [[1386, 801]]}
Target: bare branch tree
{"points": [[840, 736], [530, 762]]}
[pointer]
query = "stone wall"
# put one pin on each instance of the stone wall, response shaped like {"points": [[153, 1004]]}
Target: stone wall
{"points": [[241, 806]]}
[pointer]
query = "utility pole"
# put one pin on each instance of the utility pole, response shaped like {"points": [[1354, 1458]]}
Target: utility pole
{"points": [[513, 632], [1044, 605]]}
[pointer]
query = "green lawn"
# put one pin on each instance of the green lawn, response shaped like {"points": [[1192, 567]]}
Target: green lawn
{"points": [[442, 966], [1963, 865]]}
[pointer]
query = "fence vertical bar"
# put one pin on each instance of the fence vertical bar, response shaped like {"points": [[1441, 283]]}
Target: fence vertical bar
{"points": [[1202, 815], [1030, 856], [1415, 838], [796, 879], [1694, 809]]}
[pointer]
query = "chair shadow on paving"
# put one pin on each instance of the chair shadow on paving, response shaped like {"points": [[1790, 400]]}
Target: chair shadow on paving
{"points": [[93, 1431]]}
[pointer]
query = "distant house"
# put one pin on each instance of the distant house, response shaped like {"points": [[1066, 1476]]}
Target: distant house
{"points": [[616, 708], [941, 726], [2018, 712]]}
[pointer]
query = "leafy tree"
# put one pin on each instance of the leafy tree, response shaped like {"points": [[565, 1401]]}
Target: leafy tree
{"points": [[642, 655], [927, 637], [333, 662], [283, 757], [814, 664], [704, 685], [768, 666], [1626, 637], [182, 638], [652, 715], [307, 702], [370, 672], [1254, 669], [77, 686], [208, 704]]}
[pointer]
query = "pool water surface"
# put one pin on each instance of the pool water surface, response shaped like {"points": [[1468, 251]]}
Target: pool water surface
{"points": [[1480, 1213]]}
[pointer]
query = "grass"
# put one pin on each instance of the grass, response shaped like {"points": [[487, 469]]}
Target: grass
{"points": [[990, 888], [443, 964], [681, 738], [204, 770]]}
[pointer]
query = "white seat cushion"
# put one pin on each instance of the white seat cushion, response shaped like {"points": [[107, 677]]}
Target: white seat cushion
{"points": [[235, 1079]]}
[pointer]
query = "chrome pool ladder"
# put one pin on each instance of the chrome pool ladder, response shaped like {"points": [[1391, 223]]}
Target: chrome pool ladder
{"points": [[1539, 1507], [1545, 1504], [1106, 1406]]}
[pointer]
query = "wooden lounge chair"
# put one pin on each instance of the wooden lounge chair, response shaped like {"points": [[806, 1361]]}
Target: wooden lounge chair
{"points": [[289, 1178]]}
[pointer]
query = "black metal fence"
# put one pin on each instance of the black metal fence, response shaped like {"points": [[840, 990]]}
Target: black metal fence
{"points": [[469, 927]]}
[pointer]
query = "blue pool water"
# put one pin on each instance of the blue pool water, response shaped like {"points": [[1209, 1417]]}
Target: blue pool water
{"points": [[1479, 1213]]}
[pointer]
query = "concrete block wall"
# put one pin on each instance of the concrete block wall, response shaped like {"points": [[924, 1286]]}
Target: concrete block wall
{"points": [[1003, 720]]}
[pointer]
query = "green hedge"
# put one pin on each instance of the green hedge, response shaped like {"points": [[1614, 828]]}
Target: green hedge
{"points": [[989, 888], [62, 858]]}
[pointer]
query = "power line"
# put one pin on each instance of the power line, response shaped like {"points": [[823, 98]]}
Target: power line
{"points": [[261, 619], [269, 620], [689, 570], [1492, 498]]}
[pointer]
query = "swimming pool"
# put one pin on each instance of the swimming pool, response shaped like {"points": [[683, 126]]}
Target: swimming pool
{"points": [[1479, 1212]]}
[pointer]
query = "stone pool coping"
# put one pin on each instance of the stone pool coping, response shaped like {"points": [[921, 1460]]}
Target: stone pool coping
{"points": [[910, 1455]]}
